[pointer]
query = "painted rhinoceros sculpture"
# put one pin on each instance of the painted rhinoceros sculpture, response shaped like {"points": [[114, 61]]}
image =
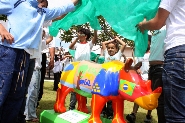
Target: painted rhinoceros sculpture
{"points": [[114, 81]]}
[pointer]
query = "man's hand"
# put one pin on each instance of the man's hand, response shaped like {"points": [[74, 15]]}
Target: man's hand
{"points": [[142, 26], [6, 35]]}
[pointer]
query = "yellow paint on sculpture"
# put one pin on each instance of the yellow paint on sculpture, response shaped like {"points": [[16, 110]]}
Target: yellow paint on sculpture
{"points": [[68, 76], [148, 102], [117, 66], [89, 72]]}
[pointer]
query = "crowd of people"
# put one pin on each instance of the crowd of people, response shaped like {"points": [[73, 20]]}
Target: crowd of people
{"points": [[23, 58]]}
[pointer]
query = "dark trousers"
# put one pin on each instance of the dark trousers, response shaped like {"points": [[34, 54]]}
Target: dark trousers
{"points": [[56, 80], [155, 75], [13, 73], [73, 101], [107, 109], [21, 116], [43, 72], [174, 84]]}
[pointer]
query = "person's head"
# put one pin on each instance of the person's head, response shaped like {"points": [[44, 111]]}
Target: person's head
{"points": [[42, 3], [67, 53], [84, 34], [112, 48]]}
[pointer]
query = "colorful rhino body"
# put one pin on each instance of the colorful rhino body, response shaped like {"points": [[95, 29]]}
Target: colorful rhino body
{"points": [[114, 81]]}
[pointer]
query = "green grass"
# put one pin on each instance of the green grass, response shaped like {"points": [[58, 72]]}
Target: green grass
{"points": [[49, 97]]}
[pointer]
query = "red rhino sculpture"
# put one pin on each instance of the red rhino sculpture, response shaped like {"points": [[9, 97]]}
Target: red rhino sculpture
{"points": [[114, 81]]}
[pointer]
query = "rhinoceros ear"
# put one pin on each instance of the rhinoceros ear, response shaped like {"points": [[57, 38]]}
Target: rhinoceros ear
{"points": [[128, 64], [138, 65]]}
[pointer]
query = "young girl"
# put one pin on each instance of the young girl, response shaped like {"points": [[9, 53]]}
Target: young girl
{"points": [[111, 51]]}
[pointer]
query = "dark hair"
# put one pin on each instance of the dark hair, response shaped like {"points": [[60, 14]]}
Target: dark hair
{"points": [[56, 58], [46, 2], [115, 43], [87, 32]]}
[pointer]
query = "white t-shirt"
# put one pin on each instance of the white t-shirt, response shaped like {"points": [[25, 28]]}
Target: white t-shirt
{"points": [[157, 45], [175, 23], [56, 68], [145, 65], [108, 58], [51, 44], [61, 65], [83, 51]]}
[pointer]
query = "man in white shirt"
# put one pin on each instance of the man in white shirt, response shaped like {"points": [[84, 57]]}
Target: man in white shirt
{"points": [[171, 13]]}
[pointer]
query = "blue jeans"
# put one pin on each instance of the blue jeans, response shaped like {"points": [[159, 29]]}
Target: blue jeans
{"points": [[21, 117], [174, 84], [32, 97], [13, 72]]}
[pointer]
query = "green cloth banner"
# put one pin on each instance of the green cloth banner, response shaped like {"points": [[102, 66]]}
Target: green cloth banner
{"points": [[122, 15], [93, 56]]}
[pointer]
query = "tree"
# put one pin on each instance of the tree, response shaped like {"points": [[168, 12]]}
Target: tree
{"points": [[105, 34]]}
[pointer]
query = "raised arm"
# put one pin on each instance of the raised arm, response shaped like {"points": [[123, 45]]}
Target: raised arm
{"points": [[71, 46], [49, 39], [123, 44], [104, 44], [59, 18], [53, 13], [156, 23]]}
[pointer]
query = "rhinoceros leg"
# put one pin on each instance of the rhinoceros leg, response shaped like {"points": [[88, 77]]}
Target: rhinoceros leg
{"points": [[118, 107], [82, 103], [97, 104], [62, 92]]}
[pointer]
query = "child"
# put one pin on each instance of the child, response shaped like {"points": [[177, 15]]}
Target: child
{"points": [[83, 49], [26, 34], [56, 71], [112, 51]]}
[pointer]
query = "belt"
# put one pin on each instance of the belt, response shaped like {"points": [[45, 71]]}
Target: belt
{"points": [[156, 62]]}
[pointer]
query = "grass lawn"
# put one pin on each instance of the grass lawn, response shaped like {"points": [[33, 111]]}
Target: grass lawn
{"points": [[49, 96]]}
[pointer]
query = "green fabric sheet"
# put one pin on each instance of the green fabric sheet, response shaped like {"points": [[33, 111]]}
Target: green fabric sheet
{"points": [[93, 56], [122, 15]]}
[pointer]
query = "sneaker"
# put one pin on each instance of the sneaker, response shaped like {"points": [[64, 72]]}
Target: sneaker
{"points": [[71, 108], [131, 118], [103, 114], [148, 119]]}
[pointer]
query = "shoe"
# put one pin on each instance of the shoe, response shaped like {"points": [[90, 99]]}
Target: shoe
{"points": [[33, 120], [148, 119], [103, 114], [131, 118], [71, 108]]}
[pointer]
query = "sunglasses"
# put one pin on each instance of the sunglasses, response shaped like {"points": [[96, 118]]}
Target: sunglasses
{"points": [[81, 34]]}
